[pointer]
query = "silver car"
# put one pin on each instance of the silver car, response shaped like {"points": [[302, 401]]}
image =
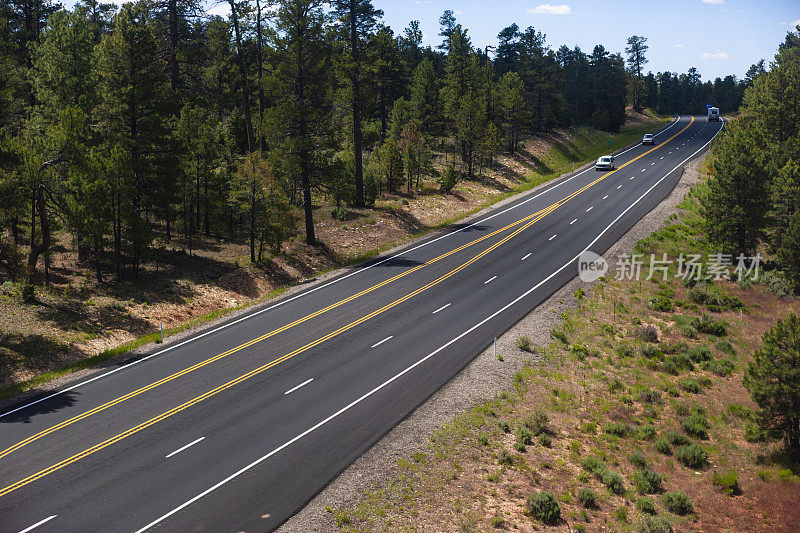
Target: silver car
{"points": [[648, 139], [605, 162]]}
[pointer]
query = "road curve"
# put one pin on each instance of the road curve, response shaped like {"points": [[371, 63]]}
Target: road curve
{"points": [[235, 428]]}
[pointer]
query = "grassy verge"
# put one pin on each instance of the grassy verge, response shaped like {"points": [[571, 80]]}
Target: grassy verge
{"points": [[633, 418]]}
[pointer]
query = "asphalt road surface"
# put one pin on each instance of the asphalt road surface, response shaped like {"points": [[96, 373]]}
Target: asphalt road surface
{"points": [[236, 428]]}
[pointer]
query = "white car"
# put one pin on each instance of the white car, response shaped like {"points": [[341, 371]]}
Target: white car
{"points": [[605, 162], [648, 139]]}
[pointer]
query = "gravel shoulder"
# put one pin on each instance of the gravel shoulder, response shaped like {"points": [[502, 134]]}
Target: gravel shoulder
{"points": [[483, 378]]}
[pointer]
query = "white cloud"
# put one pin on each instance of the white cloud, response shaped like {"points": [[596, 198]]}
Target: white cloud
{"points": [[717, 54], [792, 24], [713, 1], [220, 9], [678, 45], [547, 9]]}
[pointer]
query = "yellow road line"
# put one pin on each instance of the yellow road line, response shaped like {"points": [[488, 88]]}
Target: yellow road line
{"points": [[540, 214]]}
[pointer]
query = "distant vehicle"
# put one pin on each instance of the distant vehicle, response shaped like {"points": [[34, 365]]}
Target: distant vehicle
{"points": [[605, 162], [648, 139], [713, 114]]}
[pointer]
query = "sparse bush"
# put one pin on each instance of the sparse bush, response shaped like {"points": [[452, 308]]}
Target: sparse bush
{"points": [[449, 178], [725, 347], [587, 497], [545, 440], [593, 464], [647, 333], [580, 294], [711, 326], [559, 334], [613, 480], [650, 350], [674, 347], [678, 502], [504, 427], [754, 433], [728, 482], [621, 514], [688, 331], [524, 435], [583, 477], [579, 350], [524, 343], [543, 506], [537, 422], [637, 459], [662, 446], [696, 424], [652, 524], [661, 303], [652, 396], [498, 521], [646, 432], [720, 367], [339, 213], [678, 439], [646, 505], [690, 385], [647, 481], [505, 458], [778, 283], [699, 353], [615, 386], [691, 455], [520, 447], [624, 350], [619, 429], [483, 439]]}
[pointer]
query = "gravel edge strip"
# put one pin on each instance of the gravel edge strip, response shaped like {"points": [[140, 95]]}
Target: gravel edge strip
{"points": [[483, 378]]}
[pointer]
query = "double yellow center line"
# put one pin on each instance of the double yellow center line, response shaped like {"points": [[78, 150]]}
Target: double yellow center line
{"points": [[528, 221]]}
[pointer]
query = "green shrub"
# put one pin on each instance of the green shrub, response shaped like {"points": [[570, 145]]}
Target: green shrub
{"points": [[624, 349], [689, 385], [650, 351], [583, 477], [520, 447], [699, 353], [661, 303], [651, 396], [579, 350], [691, 455], [646, 333], [725, 347], [720, 367], [524, 343], [674, 347], [711, 326], [587, 497], [646, 505], [505, 458], [754, 433], [688, 331], [678, 502], [483, 439], [662, 446], [524, 435], [498, 521], [678, 439], [613, 480], [543, 506], [637, 459], [696, 425], [580, 294], [646, 432], [652, 524], [449, 178], [559, 334], [503, 425], [537, 422], [675, 364], [728, 482], [647, 481], [619, 429], [616, 385], [593, 464], [545, 440]]}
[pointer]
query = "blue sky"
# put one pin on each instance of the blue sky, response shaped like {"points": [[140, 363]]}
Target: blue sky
{"points": [[719, 37]]}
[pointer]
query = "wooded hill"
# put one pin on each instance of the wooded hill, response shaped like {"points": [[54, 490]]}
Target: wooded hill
{"points": [[124, 127]]}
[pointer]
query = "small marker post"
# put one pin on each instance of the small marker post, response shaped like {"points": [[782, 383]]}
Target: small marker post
{"points": [[161, 326], [495, 347]]}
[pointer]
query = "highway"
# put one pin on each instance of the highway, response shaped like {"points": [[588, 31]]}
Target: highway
{"points": [[238, 426]]}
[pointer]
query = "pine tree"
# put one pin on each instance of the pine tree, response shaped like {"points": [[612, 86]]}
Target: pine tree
{"points": [[773, 379], [637, 59]]}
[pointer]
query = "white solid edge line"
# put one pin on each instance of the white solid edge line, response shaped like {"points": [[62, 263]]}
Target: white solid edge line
{"points": [[490, 280], [314, 289], [37, 524], [416, 364], [303, 384], [179, 450], [381, 342], [442, 308]]}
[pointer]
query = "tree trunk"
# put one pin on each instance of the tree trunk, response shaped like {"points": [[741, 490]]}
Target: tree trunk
{"points": [[243, 77], [260, 79], [357, 142], [38, 209]]}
